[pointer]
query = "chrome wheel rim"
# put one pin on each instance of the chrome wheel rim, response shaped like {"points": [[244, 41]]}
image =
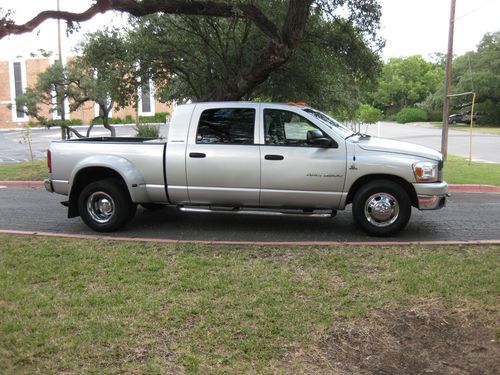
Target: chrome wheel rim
{"points": [[381, 209], [100, 207]]}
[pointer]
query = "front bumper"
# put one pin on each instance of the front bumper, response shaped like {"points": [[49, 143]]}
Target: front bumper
{"points": [[432, 195]]}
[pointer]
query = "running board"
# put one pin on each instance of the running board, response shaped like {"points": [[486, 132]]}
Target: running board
{"points": [[236, 210]]}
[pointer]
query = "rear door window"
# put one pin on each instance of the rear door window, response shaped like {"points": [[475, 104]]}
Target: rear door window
{"points": [[232, 126]]}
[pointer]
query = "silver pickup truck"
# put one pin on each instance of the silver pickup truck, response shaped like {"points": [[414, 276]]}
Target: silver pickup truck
{"points": [[246, 157]]}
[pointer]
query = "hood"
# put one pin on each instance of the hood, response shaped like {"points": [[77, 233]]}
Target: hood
{"points": [[397, 147]]}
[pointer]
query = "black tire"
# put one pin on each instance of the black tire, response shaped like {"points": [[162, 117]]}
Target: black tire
{"points": [[381, 208], [153, 206], [105, 205]]}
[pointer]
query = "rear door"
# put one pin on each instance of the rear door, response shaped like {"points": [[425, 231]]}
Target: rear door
{"points": [[222, 158]]}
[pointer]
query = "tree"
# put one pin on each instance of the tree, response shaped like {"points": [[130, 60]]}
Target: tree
{"points": [[51, 89], [104, 73], [479, 71], [279, 35], [406, 82], [210, 59]]}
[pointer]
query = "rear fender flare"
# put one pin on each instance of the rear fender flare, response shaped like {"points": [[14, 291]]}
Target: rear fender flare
{"points": [[133, 179]]}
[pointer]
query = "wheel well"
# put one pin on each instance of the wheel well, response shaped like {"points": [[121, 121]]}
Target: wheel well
{"points": [[85, 177], [400, 181]]}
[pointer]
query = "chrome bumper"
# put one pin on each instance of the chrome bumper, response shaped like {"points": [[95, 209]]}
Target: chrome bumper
{"points": [[48, 185], [431, 196]]}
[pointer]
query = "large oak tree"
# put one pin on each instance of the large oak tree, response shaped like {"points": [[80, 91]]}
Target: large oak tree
{"points": [[278, 29]]}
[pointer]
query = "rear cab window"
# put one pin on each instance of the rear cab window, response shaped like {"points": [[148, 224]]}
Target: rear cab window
{"points": [[230, 126]]}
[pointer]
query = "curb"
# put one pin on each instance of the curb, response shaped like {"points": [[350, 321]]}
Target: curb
{"points": [[452, 188], [474, 188], [250, 243], [22, 183]]}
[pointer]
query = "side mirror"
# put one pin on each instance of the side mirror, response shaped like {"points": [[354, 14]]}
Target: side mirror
{"points": [[317, 138]]}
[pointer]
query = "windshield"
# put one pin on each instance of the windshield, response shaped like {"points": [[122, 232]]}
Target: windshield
{"points": [[330, 122]]}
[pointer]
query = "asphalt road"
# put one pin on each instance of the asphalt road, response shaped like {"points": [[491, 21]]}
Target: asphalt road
{"points": [[484, 146], [13, 148], [467, 217]]}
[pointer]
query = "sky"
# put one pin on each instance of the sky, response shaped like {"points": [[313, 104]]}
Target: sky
{"points": [[409, 27]]}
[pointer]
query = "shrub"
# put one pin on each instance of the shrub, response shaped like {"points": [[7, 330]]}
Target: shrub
{"points": [[111, 121], [411, 115], [436, 116], [157, 118], [368, 114], [71, 122], [147, 131]]}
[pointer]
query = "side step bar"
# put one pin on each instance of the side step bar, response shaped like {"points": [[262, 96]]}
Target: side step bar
{"points": [[236, 210]]}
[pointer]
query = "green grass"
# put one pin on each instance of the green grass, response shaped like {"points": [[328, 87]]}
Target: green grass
{"points": [[458, 171], [28, 171], [91, 306], [476, 129]]}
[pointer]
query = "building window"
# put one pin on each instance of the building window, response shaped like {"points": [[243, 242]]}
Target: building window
{"points": [[18, 83], [146, 99]]}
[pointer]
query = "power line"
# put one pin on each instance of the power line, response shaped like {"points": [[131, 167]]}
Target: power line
{"points": [[475, 10]]}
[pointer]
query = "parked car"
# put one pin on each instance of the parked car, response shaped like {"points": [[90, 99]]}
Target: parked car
{"points": [[464, 118], [456, 118], [253, 158]]}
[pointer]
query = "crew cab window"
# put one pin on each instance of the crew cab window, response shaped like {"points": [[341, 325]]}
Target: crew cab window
{"points": [[226, 126], [286, 128]]}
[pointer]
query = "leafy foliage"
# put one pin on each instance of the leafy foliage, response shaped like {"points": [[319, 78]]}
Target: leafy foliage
{"points": [[411, 115], [406, 82], [479, 71], [104, 73], [367, 114], [215, 58], [148, 131], [157, 118]]}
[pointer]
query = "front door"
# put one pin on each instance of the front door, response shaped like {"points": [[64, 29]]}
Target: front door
{"points": [[222, 159], [296, 174]]}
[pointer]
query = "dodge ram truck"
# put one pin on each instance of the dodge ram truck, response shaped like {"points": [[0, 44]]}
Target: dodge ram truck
{"points": [[248, 157]]}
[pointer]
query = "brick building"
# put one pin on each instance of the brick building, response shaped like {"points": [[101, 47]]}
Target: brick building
{"points": [[18, 74]]}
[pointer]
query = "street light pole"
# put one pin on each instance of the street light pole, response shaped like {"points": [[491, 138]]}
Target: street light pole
{"points": [[447, 83]]}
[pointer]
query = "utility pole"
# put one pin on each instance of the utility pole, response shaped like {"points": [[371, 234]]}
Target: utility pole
{"points": [[59, 35], [60, 103], [447, 83]]}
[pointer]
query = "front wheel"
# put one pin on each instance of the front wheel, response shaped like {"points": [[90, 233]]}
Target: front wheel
{"points": [[381, 208], [105, 205]]}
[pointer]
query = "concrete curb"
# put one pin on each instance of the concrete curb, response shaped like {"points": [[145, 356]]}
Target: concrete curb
{"points": [[22, 183], [250, 243], [453, 188], [474, 189]]}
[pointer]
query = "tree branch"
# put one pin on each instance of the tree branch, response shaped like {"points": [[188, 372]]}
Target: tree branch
{"points": [[208, 8]]}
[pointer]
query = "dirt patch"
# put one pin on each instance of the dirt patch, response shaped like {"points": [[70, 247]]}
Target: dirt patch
{"points": [[422, 340]]}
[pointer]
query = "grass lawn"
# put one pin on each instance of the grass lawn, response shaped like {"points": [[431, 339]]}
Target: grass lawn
{"points": [[91, 306], [458, 171], [478, 129], [28, 171]]}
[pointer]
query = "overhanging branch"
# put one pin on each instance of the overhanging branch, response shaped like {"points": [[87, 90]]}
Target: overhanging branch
{"points": [[138, 8]]}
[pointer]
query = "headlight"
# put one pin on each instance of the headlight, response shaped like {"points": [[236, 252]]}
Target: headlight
{"points": [[425, 171]]}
